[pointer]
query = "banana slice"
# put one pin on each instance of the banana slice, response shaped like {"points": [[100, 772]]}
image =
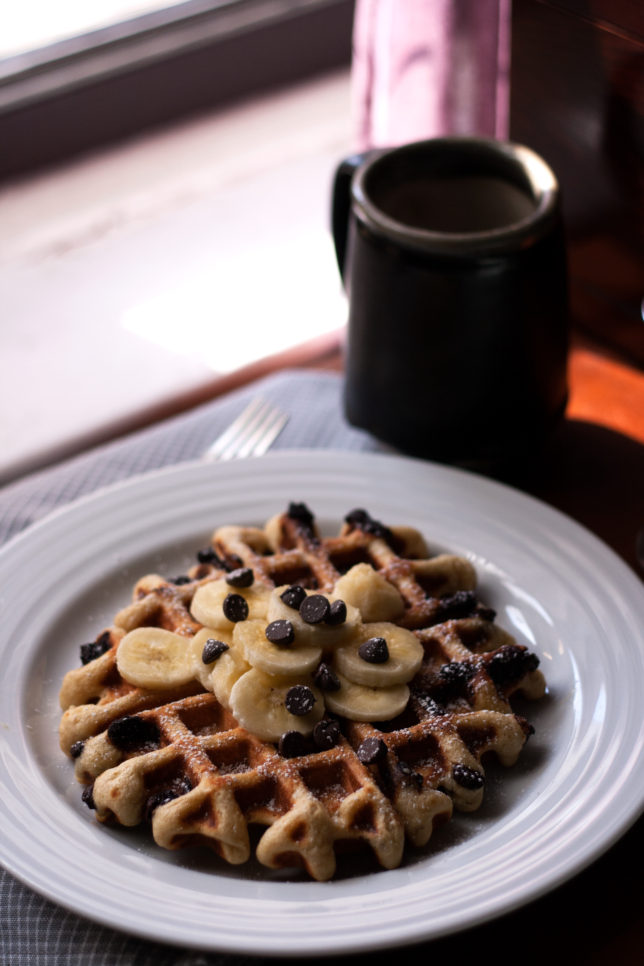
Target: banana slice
{"points": [[226, 671], [321, 634], [370, 592], [208, 603], [203, 671], [412, 540], [405, 656], [258, 701], [360, 703], [286, 660], [150, 657]]}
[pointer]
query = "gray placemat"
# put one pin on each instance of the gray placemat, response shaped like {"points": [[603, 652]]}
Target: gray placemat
{"points": [[32, 929], [311, 399]]}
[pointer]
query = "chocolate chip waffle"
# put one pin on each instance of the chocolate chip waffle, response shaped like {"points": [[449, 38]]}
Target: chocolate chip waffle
{"points": [[95, 694], [178, 758]]}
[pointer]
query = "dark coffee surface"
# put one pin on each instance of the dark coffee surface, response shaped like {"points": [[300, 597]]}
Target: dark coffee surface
{"points": [[464, 203]]}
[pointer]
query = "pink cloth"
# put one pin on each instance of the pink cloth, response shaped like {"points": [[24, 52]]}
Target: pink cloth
{"points": [[426, 68]]}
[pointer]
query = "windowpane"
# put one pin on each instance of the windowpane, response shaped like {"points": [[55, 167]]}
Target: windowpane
{"points": [[37, 23], [167, 61]]}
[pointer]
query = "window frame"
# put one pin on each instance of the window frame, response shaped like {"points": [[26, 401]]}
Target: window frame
{"points": [[113, 83]]}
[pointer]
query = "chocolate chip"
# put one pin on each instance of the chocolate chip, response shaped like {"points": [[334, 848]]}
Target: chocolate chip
{"points": [[292, 744], [337, 613], [159, 798], [301, 514], [485, 613], [293, 596], [510, 663], [132, 731], [88, 796], [365, 522], [467, 777], [183, 579], [235, 608], [179, 787], [76, 749], [326, 678], [213, 649], [326, 734], [357, 518], [315, 609], [299, 700], [209, 556], [89, 652], [457, 671], [453, 678], [280, 632], [371, 750], [374, 650], [452, 606], [242, 577]]}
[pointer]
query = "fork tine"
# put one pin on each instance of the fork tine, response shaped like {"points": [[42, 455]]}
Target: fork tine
{"points": [[265, 434], [244, 432], [251, 433], [228, 440]]}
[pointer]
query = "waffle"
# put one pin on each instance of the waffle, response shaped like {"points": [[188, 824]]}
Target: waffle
{"points": [[178, 759]]}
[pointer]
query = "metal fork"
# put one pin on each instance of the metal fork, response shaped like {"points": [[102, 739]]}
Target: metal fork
{"points": [[250, 434]]}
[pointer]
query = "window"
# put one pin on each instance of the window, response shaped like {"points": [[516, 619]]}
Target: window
{"points": [[114, 81]]}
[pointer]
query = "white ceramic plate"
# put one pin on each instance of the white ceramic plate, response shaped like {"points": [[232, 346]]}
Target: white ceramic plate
{"points": [[555, 586]]}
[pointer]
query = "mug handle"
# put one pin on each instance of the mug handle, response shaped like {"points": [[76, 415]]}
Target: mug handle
{"points": [[341, 205]]}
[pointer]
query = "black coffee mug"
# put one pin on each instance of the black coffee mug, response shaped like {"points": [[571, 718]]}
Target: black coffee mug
{"points": [[453, 257]]}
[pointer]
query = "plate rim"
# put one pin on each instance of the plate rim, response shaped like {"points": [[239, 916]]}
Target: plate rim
{"points": [[285, 457]]}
